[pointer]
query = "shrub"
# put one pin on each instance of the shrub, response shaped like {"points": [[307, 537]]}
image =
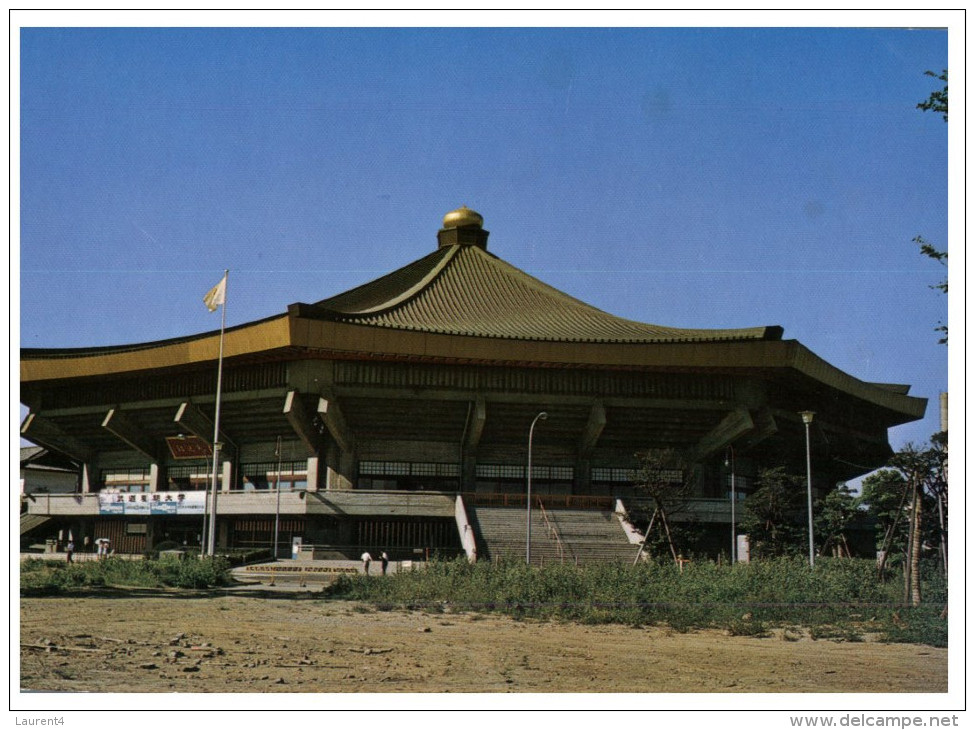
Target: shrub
{"points": [[40, 577], [744, 599]]}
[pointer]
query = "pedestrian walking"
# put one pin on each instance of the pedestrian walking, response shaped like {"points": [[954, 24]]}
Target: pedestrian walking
{"points": [[384, 559], [69, 551], [366, 561]]}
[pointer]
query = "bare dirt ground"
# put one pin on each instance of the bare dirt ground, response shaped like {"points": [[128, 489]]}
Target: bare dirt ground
{"points": [[265, 642]]}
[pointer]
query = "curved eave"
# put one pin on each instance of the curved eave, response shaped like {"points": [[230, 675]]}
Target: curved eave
{"points": [[324, 338], [894, 399], [246, 339]]}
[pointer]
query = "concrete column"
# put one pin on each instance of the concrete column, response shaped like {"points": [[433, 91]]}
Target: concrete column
{"points": [[313, 473], [226, 477], [89, 477], [468, 470], [341, 470], [157, 477]]}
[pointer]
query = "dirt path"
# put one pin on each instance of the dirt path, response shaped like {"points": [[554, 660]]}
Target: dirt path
{"points": [[235, 643]]}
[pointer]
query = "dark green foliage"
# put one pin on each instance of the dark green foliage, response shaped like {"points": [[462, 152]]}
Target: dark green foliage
{"points": [[665, 479], [747, 600], [922, 625], [884, 497], [938, 101], [775, 514], [747, 627], [834, 515], [43, 577]]}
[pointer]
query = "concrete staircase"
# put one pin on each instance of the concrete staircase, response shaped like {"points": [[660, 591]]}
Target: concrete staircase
{"points": [[592, 536], [587, 536]]}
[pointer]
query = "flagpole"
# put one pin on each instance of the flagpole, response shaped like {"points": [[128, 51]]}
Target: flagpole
{"points": [[206, 508], [212, 539]]}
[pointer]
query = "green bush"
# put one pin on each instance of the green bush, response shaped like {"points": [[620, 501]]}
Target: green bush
{"points": [[42, 577], [745, 599]]}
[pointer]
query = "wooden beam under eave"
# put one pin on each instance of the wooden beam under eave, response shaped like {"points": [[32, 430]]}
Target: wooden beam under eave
{"points": [[735, 424], [594, 429], [190, 418], [48, 434], [118, 424]]}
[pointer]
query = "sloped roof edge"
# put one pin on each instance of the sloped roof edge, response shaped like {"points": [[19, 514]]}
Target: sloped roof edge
{"points": [[465, 290]]}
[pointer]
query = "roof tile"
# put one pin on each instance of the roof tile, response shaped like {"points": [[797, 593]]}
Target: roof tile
{"points": [[464, 290]]}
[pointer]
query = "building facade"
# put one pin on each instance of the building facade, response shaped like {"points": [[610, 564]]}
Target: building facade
{"points": [[378, 416]]}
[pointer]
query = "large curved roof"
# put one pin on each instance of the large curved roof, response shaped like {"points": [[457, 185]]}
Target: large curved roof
{"points": [[461, 303], [462, 289]]}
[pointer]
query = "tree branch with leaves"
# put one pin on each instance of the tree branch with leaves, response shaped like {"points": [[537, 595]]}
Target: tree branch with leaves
{"points": [[936, 102], [666, 479]]}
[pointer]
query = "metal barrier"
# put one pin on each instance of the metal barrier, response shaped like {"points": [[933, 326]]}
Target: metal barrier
{"points": [[552, 531]]}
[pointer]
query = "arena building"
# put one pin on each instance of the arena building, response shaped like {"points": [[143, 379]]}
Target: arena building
{"points": [[398, 415]]}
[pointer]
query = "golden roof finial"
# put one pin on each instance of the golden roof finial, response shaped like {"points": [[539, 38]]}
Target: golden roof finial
{"points": [[463, 217]]}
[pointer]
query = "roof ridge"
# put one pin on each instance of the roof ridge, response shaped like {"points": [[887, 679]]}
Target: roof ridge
{"points": [[334, 302], [414, 290]]}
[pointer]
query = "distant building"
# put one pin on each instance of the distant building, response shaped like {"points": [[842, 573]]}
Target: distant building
{"points": [[45, 472], [392, 415]]}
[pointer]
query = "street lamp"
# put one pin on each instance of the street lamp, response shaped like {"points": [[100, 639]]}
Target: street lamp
{"points": [[807, 418], [730, 461], [531, 432]]}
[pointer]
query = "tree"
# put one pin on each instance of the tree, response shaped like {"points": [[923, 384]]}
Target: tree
{"points": [[775, 512], [920, 474], [937, 102], [834, 515], [939, 490], [911, 463], [884, 496], [666, 478]]}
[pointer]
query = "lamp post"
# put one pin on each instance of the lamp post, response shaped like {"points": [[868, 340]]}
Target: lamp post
{"points": [[528, 525], [807, 418], [277, 488], [730, 461]]}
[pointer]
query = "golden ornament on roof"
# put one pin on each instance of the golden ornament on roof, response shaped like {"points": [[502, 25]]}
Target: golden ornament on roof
{"points": [[462, 217]]}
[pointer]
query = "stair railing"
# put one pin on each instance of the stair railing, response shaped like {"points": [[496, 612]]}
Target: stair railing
{"points": [[552, 531]]}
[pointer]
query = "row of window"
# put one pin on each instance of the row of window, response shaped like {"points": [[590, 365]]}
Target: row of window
{"points": [[294, 475], [183, 477], [482, 471], [408, 469]]}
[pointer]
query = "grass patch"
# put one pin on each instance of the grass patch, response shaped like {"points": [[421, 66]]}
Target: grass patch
{"points": [[45, 577], [744, 600]]}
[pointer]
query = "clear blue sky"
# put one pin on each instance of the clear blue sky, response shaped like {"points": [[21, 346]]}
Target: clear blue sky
{"points": [[686, 177]]}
